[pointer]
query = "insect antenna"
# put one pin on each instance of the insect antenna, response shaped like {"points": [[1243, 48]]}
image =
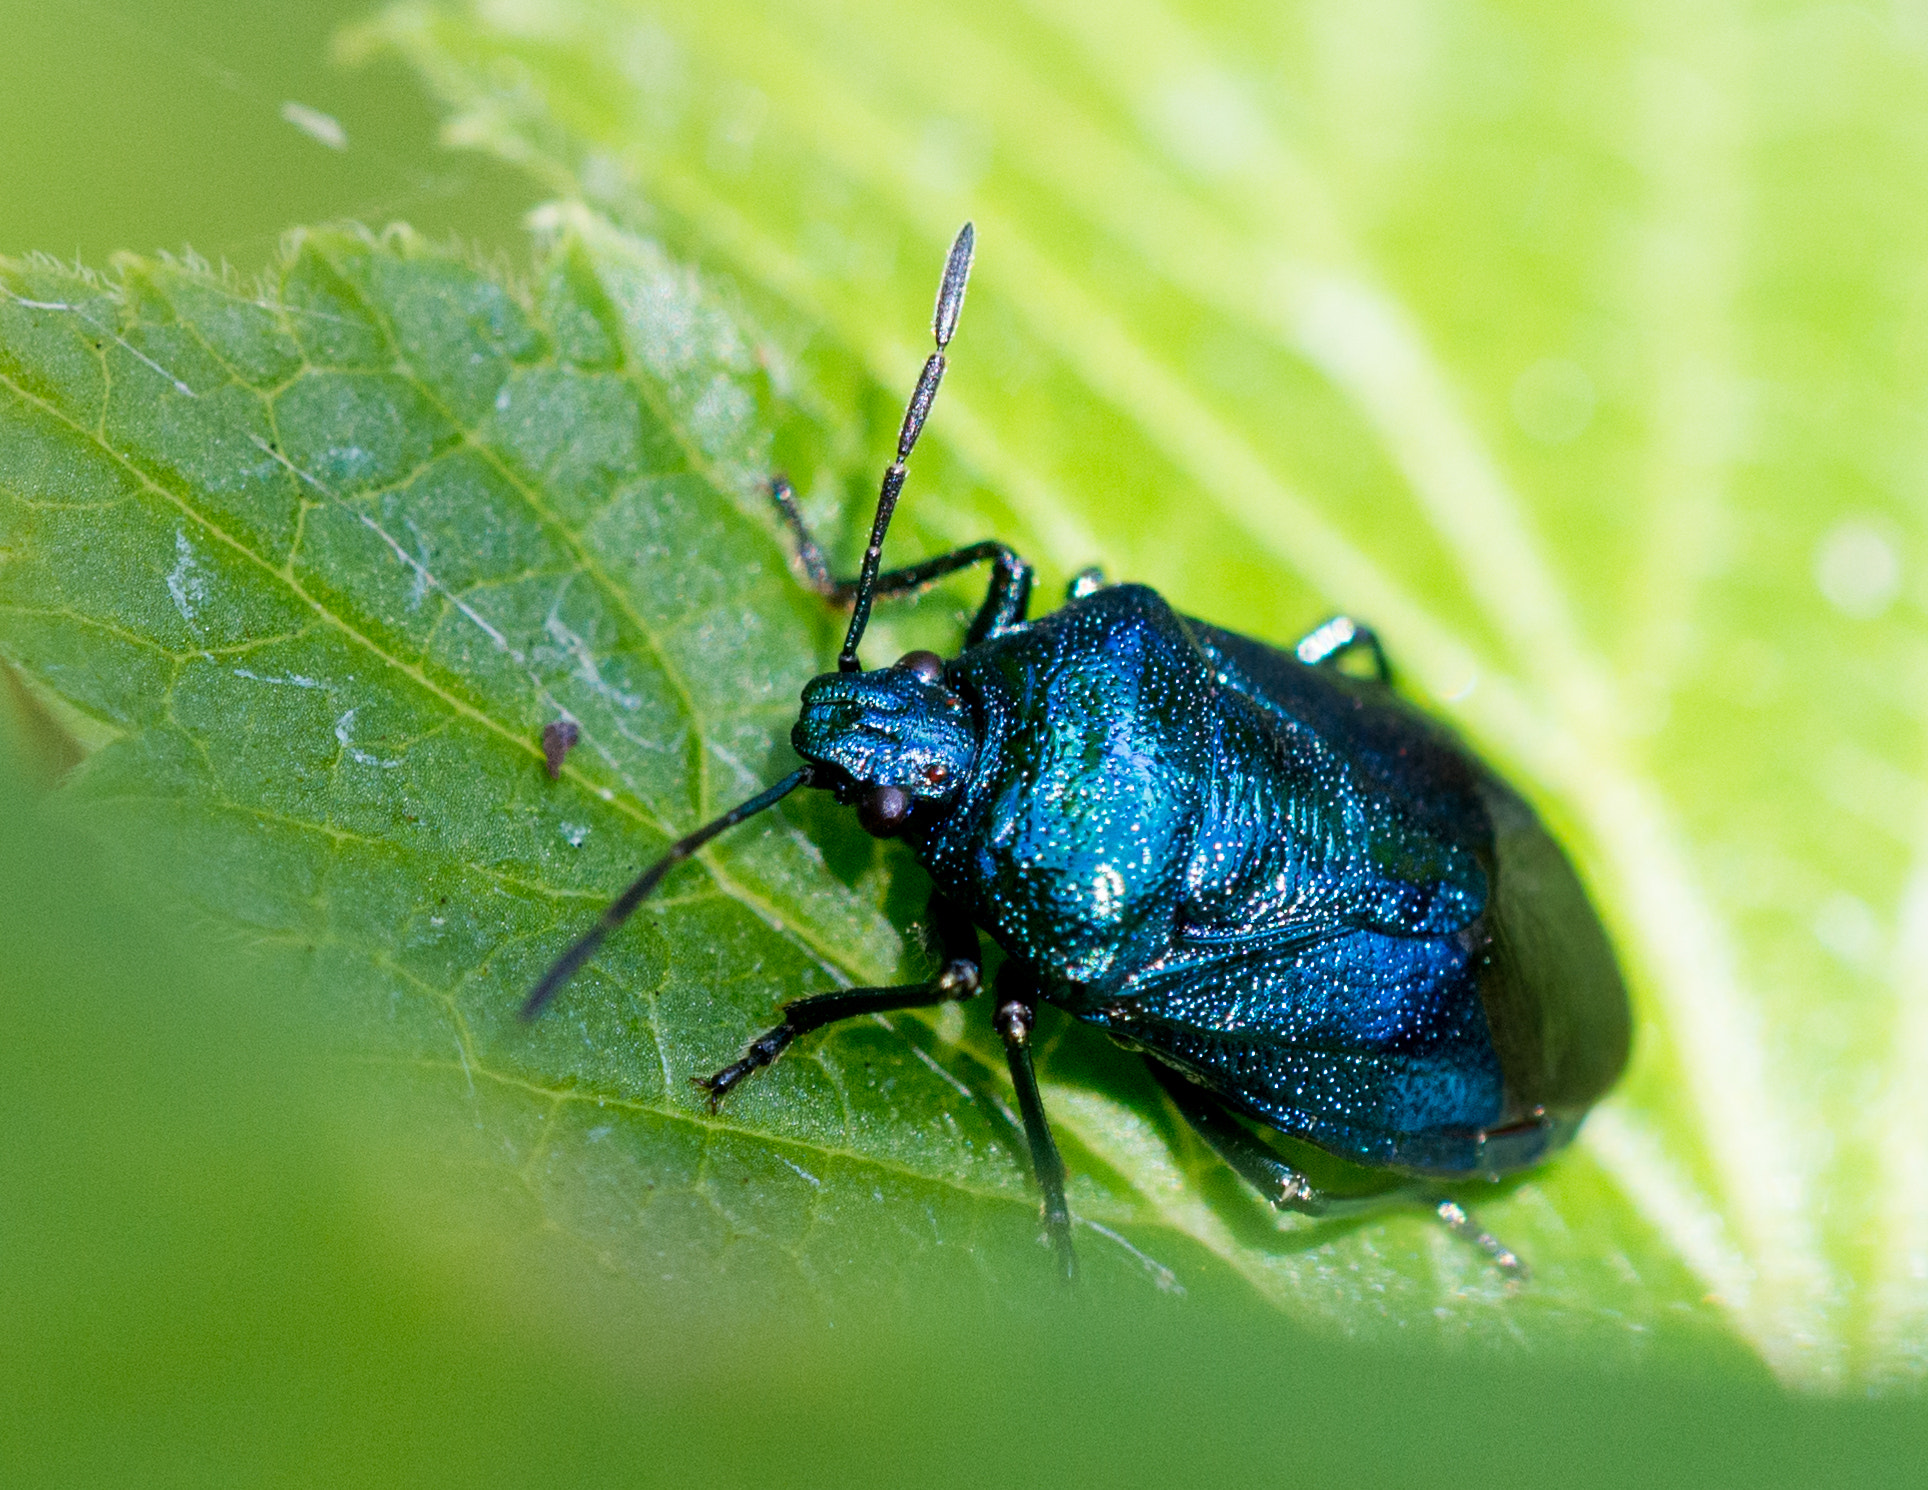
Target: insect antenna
{"points": [[620, 908], [950, 304]]}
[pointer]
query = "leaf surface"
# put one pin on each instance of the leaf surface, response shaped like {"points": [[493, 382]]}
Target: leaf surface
{"points": [[1567, 347], [319, 559]]}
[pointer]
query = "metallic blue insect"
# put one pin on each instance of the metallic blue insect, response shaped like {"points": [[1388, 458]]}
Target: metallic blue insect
{"points": [[1308, 904]]}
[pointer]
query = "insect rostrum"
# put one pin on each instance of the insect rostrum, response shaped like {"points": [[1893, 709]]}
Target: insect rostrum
{"points": [[1308, 904]]}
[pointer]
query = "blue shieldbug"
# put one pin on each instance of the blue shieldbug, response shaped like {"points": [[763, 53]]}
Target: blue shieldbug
{"points": [[1308, 904]]}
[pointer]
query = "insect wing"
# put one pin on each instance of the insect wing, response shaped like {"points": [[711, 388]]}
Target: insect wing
{"points": [[1554, 999], [1415, 762], [1373, 1047], [1551, 984]]}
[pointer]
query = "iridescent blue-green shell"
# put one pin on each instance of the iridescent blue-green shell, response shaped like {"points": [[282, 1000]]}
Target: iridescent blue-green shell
{"points": [[1283, 881]]}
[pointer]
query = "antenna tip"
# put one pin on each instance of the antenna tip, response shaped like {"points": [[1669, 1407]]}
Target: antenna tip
{"points": [[950, 292]]}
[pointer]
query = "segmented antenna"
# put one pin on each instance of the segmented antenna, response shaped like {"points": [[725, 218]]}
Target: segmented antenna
{"points": [[584, 947], [950, 304]]}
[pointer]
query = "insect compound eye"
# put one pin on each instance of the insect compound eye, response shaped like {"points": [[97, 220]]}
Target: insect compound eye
{"points": [[927, 665], [883, 809]]}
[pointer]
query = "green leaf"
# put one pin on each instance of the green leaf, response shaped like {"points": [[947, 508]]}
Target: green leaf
{"points": [[201, 1284], [1259, 318], [1560, 343], [325, 555]]}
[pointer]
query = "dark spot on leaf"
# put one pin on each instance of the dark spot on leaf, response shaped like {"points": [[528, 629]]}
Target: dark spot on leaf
{"points": [[559, 737]]}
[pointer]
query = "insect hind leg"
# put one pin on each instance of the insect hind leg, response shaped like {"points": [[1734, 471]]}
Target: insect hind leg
{"points": [[1248, 1158], [1455, 1218], [1326, 644], [1289, 1190]]}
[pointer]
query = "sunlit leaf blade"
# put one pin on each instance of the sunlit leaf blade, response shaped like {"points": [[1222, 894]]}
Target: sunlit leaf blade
{"points": [[1557, 342], [320, 558], [326, 556], [197, 1288]]}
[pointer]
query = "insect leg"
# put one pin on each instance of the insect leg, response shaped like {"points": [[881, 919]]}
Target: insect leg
{"points": [[1087, 581], [1454, 1217], [1017, 1014], [1289, 1190], [957, 980], [1005, 604], [1244, 1154], [1331, 640], [816, 569]]}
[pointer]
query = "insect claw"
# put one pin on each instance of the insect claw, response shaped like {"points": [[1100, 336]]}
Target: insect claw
{"points": [[1295, 1194], [1057, 1236], [718, 1086]]}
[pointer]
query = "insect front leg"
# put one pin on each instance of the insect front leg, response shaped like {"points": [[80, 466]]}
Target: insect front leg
{"points": [[1006, 603], [1017, 1015], [958, 979], [816, 568], [1325, 644]]}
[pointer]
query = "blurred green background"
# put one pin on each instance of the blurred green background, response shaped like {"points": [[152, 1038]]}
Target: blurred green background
{"points": [[1671, 266], [199, 1291], [160, 129]]}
